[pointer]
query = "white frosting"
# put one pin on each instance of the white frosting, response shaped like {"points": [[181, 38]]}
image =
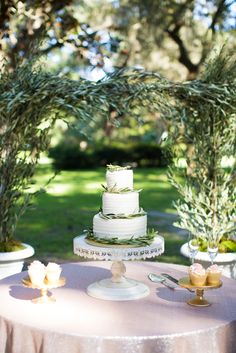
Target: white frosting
{"points": [[37, 272], [196, 266], [214, 269], [52, 266], [120, 179], [125, 203], [197, 269], [120, 228], [53, 272]]}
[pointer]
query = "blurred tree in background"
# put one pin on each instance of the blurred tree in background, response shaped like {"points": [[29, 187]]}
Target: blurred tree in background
{"points": [[170, 36], [57, 24]]}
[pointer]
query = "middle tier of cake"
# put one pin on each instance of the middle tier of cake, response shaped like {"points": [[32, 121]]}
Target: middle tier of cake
{"points": [[121, 228], [124, 203]]}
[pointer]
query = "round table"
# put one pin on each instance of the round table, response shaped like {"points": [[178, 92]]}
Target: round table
{"points": [[77, 323]]}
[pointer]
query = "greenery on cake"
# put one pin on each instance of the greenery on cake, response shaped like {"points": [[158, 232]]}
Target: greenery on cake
{"points": [[114, 240], [122, 215], [117, 168], [114, 190]]}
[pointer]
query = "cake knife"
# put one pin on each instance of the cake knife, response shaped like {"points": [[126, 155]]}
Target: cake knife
{"points": [[160, 279], [170, 278]]}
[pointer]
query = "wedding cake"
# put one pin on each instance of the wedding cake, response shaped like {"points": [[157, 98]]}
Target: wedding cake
{"points": [[120, 220]]}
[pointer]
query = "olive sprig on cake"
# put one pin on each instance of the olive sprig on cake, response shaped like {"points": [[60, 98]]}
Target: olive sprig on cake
{"points": [[116, 168]]}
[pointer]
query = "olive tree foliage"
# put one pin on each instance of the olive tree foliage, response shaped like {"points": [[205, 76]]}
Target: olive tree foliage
{"points": [[172, 37], [208, 123], [58, 24], [31, 101]]}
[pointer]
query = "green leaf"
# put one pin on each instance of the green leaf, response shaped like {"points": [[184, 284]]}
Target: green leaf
{"points": [[230, 245]]}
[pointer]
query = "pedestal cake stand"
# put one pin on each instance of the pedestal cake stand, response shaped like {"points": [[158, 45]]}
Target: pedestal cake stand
{"points": [[117, 287]]}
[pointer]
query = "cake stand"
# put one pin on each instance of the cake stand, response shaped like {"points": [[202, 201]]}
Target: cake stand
{"points": [[117, 287], [199, 299], [44, 297]]}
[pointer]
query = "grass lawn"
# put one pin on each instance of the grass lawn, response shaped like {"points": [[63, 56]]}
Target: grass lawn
{"points": [[73, 197]]}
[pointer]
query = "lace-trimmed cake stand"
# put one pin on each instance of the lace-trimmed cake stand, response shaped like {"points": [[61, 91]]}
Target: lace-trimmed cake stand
{"points": [[118, 287]]}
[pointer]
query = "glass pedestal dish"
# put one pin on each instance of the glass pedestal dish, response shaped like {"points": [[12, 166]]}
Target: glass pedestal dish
{"points": [[118, 286]]}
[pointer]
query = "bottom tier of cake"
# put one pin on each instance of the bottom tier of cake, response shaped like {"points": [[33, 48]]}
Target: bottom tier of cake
{"points": [[121, 228]]}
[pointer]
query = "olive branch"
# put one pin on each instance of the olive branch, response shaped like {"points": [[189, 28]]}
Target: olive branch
{"points": [[114, 190], [117, 168], [114, 240], [122, 215]]}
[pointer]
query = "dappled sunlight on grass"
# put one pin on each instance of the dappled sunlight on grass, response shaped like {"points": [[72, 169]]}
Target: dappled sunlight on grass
{"points": [[93, 186], [151, 174], [60, 189], [153, 186], [34, 227]]}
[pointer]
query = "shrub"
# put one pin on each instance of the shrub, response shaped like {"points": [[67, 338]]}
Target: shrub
{"points": [[70, 156]]}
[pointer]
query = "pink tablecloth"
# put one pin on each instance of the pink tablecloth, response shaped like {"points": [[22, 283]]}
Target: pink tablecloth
{"points": [[160, 323]]}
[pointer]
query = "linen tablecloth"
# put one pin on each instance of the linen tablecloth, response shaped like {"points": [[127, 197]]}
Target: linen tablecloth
{"points": [[159, 323]]}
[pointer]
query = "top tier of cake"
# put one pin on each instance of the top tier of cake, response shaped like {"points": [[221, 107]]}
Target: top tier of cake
{"points": [[120, 179], [120, 197]]}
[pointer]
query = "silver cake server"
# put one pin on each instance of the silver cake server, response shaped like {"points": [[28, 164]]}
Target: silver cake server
{"points": [[160, 279], [170, 278]]}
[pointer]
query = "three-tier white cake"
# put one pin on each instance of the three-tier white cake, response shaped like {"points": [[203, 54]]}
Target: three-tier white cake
{"points": [[119, 233], [120, 217]]}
